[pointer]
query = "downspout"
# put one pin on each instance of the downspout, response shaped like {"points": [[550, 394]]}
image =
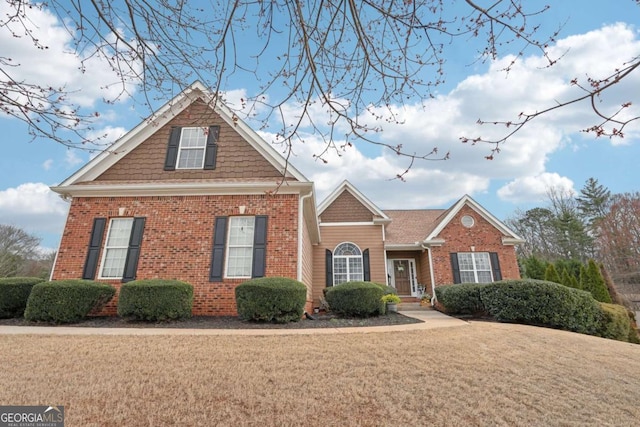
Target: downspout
{"points": [[66, 198], [433, 280], [300, 229]]}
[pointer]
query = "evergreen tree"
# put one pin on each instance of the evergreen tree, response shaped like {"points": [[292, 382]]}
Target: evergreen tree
{"points": [[567, 279], [591, 280], [534, 267], [593, 202], [551, 274]]}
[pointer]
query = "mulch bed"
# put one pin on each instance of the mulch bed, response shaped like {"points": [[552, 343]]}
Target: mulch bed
{"points": [[322, 320]]}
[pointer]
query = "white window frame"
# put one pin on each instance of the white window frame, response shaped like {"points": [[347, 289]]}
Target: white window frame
{"points": [[231, 246], [351, 276], [108, 247], [475, 263], [181, 149]]}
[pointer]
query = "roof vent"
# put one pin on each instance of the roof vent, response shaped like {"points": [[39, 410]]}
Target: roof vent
{"points": [[467, 221]]}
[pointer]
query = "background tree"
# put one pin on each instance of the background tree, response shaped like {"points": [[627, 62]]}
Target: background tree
{"points": [[619, 241], [593, 201], [20, 255], [350, 57], [551, 274], [591, 280]]}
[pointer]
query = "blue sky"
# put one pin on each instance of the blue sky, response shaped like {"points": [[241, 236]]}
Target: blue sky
{"points": [[550, 152]]}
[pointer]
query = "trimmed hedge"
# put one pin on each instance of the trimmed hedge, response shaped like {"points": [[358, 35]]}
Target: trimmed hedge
{"points": [[14, 293], [358, 299], [66, 301], [536, 302], [526, 301], [616, 323], [271, 299], [155, 300], [463, 298]]}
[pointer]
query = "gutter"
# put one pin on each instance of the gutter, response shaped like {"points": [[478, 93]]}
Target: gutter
{"points": [[433, 280]]}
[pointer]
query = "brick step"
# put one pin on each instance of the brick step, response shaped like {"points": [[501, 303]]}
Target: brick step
{"points": [[413, 306]]}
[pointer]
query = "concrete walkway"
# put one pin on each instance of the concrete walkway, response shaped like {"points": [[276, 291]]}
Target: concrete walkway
{"points": [[431, 319]]}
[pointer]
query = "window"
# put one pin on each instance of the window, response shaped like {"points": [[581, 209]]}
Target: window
{"points": [[475, 267], [193, 142], [192, 148], [240, 246], [347, 263], [115, 248], [121, 249]]}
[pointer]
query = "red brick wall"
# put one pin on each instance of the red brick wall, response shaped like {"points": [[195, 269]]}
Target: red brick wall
{"points": [[178, 237], [483, 236]]}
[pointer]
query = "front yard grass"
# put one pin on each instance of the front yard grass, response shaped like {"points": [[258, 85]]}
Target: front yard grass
{"points": [[484, 374]]}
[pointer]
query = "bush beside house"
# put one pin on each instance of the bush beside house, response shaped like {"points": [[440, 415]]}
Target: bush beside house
{"points": [[155, 300], [358, 299], [66, 301], [271, 299], [539, 303], [14, 293]]}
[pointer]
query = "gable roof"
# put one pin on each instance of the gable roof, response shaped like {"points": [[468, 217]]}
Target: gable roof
{"points": [[414, 228], [409, 227], [379, 216], [99, 164], [510, 237]]}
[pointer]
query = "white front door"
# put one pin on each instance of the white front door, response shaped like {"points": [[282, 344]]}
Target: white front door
{"points": [[402, 273]]}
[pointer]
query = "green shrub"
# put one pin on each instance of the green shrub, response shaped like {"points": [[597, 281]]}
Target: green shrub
{"points": [[463, 298], [14, 293], [387, 290], [271, 299], [66, 301], [536, 302], [391, 299], [615, 322], [155, 300], [358, 299]]}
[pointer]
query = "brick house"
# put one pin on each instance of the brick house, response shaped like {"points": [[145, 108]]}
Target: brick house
{"points": [[194, 194]]}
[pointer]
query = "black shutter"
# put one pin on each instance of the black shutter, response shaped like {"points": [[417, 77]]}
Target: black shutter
{"points": [[329, 268], [455, 268], [217, 251], [133, 253], [172, 149], [495, 266], [366, 265], [211, 151], [95, 243], [258, 268]]}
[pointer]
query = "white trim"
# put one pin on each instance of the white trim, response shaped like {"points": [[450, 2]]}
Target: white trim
{"points": [[468, 201], [228, 246], [347, 258], [343, 224], [403, 247], [105, 248], [158, 188], [347, 186], [55, 259], [300, 236], [181, 148], [102, 162], [433, 279], [413, 274]]}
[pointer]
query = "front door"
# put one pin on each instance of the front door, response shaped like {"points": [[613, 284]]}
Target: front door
{"points": [[403, 276]]}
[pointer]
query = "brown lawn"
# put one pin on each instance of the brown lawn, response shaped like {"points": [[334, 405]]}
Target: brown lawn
{"points": [[484, 374]]}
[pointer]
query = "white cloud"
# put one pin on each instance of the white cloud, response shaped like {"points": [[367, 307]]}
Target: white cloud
{"points": [[535, 188], [87, 80], [33, 207], [441, 121], [71, 158], [46, 165]]}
